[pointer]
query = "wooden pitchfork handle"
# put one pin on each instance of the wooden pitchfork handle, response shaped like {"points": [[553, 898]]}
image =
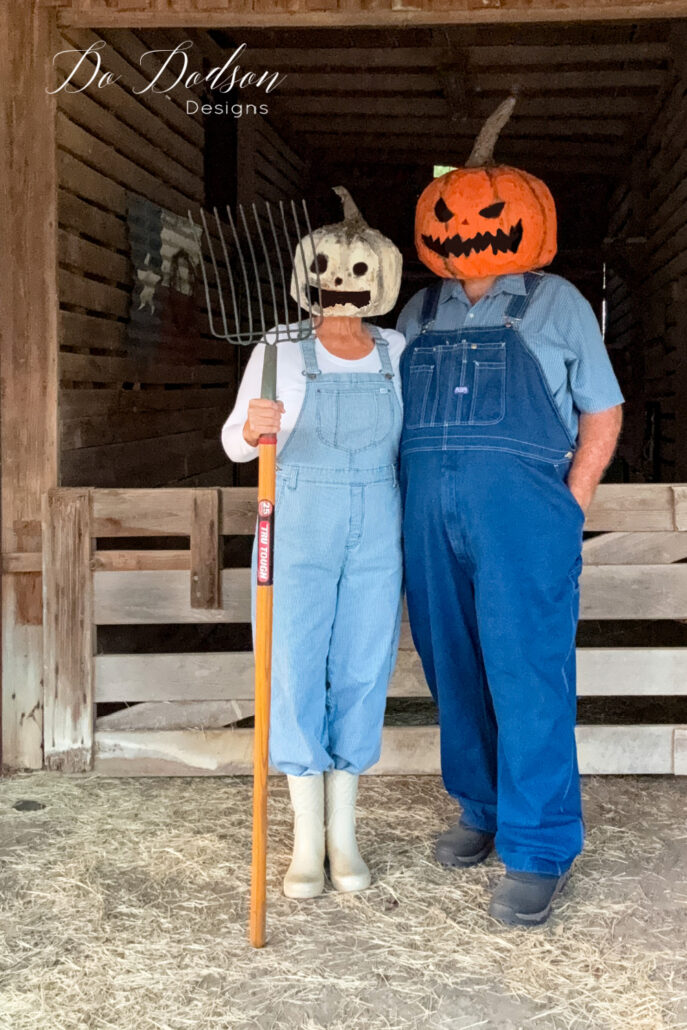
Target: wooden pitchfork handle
{"points": [[263, 656]]}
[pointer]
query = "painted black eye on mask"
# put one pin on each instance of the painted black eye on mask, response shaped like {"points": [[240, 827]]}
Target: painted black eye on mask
{"points": [[443, 213], [494, 210], [320, 263]]}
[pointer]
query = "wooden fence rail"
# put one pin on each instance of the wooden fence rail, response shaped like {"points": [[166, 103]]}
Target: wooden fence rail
{"points": [[179, 710]]}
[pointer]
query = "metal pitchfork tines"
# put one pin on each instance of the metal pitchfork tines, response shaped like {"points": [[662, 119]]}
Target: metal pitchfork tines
{"points": [[253, 258], [253, 262]]}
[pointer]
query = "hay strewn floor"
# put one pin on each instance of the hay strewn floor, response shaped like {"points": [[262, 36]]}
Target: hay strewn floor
{"points": [[123, 908]]}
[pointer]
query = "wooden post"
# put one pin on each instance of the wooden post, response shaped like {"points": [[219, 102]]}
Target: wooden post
{"points": [[206, 566], [68, 629], [28, 354]]}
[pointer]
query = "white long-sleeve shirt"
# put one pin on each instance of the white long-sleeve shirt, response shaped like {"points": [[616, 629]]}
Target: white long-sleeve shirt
{"points": [[291, 387]]}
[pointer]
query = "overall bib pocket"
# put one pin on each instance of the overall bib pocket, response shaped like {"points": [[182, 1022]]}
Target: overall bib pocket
{"points": [[488, 393], [416, 395], [356, 419]]}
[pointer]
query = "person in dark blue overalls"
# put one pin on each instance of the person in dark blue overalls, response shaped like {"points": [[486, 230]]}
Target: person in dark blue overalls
{"points": [[511, 414]]}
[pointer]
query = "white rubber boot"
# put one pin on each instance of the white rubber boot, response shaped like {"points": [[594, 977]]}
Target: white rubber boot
{"points": [[305, 876], [347, 870]]}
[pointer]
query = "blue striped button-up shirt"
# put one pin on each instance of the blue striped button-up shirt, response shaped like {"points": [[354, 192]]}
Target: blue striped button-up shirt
{"points": [[559, 327]]}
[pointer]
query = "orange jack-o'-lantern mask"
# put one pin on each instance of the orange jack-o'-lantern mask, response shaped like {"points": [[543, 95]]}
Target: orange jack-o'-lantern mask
{"points": [[485, 219]]}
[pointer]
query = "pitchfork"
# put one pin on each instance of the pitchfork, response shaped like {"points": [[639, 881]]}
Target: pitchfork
{"points": [[249, 278]]}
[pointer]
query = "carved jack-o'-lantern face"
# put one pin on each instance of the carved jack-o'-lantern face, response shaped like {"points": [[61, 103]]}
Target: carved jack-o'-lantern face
{"points": [[485, 219], [357, 268], [475, 222]]}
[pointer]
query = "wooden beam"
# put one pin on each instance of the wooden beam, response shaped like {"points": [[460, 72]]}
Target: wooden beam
{"points": [[206, 566], [607, 592], [635, 549], [28, 331], [566, 106], [176, 715], [617, 507], [285, 58], [406, 750], [227, 676], [385, 15], [593, 81], [68, 630], [342, 121]]}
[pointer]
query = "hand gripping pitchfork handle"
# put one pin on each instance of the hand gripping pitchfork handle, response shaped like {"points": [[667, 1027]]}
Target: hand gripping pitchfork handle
{"points": [[263, 655]]}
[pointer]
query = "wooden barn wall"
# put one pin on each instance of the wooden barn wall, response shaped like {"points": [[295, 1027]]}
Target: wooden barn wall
{"points": [[647, 295], [269, 170], [128, 418]]}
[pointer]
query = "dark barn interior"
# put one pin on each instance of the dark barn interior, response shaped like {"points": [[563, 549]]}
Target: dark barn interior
{"points": [[600, 117]]}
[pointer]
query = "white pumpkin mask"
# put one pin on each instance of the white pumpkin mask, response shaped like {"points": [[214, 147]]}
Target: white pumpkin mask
{"points": [[359, 268]]}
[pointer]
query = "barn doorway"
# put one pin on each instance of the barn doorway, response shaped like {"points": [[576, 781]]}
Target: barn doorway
{"points": [[600, 117]]}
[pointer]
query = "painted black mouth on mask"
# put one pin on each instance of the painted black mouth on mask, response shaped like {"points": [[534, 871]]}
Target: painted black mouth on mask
{"points": [[455, 246], [358, 298]]}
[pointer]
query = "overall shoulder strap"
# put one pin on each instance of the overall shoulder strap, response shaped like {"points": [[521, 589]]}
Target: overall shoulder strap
{"points": [[310, 367], [382, 350], [519, 302], [430, 302]]}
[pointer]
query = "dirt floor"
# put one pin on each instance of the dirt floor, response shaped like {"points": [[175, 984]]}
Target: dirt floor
{"points": [[123, 906]]}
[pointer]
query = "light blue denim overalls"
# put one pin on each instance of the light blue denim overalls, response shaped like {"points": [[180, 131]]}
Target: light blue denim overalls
{"points": [[337, 570]]}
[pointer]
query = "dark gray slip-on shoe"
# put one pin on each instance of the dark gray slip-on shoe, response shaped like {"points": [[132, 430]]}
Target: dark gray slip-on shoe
{"points": [[526, 899], [462, 846]]}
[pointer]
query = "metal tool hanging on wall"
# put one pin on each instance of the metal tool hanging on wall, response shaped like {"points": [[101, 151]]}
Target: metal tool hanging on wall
{"points": [[247, 263]]}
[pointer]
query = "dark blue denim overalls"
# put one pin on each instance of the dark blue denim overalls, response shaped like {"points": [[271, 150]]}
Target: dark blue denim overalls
{"points": [[493, 540]]}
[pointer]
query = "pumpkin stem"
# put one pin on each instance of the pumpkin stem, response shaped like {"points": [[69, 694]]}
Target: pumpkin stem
{"points": [[483, 150], [350, 208]]}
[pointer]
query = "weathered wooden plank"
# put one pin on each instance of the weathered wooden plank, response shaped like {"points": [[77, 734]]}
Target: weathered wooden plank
{"points": [[83, 255], [122, 427], [219, 676], [341, 120], [78, 215], [635, 549], [415, 82], [128, 561], [680, 501], [114, 165], [86, 367], [129, 114], [641, 507], [28, 343], [634, 592], [158, 597], [680, 751], [406, 750], [607, 592], [67, 630], [123, 54], [78, 404], [390, 12], [601, 672], [206, 584], [162, 512], [91, 295], [155, 461], [22, 561], [81, 180], [530, 107], [176, 715], [287, 58]]}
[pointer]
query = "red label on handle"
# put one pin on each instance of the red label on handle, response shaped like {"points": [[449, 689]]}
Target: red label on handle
{"points": [[265, 543]]}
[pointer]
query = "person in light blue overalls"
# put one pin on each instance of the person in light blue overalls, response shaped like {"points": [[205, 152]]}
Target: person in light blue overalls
{"points": [[337, 562], [510, 417]]}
